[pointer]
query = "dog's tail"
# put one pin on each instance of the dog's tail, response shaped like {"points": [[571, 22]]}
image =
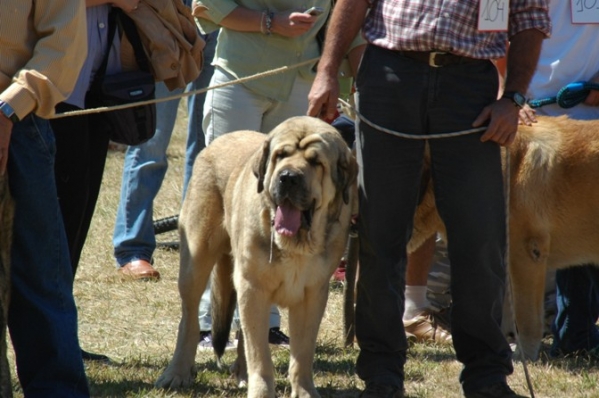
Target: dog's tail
{"points": [[224, 299]]}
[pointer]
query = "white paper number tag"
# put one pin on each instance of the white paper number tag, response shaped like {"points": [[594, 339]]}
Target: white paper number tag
{"points": [[585, 11], [493, 15]]}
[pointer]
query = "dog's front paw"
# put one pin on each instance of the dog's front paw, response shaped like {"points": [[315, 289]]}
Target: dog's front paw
{"points": [[529, 349], [172, 378]]}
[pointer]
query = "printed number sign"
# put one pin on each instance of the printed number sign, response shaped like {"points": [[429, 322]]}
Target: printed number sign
{"points": [[493, 15], [585, 11]]}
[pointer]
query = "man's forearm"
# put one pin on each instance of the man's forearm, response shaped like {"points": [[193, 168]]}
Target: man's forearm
{"points": [[523, 55], [346, 21]]}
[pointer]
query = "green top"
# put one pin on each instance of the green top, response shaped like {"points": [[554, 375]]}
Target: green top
{"points": [[247, 53]]}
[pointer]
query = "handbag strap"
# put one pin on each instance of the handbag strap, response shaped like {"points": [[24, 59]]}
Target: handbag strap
{"points": [[133, 35], [118, 17]]}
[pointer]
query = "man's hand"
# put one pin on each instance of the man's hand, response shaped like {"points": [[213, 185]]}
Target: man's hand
{"points": [[503, 125], [5, 132], [323, 97], [527, 116]]}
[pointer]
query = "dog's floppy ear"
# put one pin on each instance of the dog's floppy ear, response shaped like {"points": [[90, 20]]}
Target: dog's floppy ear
{"points": [[260, 164], [347, 172]]}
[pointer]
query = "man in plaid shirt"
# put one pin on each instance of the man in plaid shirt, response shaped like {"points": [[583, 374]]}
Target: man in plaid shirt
{"points": [[428, 70]]}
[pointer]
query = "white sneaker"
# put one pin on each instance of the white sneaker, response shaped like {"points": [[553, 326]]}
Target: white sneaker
{"points": [[205, 343]]}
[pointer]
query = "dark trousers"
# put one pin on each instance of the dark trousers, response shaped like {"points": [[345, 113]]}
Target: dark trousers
{"points": [[407, 96], [577, 298], [81, 147]]}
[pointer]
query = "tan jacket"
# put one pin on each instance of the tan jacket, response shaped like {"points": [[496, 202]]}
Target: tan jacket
{"points": [[170, 37], [42, 47]]}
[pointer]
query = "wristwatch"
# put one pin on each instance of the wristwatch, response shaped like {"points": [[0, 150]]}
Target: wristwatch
{"points": [[517, 98], [7, 111]]}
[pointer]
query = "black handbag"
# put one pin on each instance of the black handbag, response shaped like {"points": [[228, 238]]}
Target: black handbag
{"points": [[133, 125]]}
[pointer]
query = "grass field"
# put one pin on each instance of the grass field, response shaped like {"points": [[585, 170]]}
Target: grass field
{"points": [[135, 324]]}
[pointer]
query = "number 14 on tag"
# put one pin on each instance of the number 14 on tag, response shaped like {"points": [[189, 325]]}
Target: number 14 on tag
{"points": [[493, 15]]}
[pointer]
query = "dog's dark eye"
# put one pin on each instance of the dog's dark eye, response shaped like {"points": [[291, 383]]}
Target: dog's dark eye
{"points": [[314, 161]]}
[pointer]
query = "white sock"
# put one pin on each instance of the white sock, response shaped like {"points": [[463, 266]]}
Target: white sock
{"points": [[416, 301]]}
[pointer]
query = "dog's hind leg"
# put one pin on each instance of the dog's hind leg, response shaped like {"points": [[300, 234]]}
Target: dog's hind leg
{"points": [[224, 301], [304, 322], [239, 368], [198, 256]]}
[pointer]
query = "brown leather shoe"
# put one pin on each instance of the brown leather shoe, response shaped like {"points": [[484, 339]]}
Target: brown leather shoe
{"points": [[427, 328], [139, 270]]}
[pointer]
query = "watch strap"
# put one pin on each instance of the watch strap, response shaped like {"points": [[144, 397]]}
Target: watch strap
{"points": [[517, 98], [7, 111]]}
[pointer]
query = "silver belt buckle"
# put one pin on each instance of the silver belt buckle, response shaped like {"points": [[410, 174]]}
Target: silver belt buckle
{"points": [[432, 56]]}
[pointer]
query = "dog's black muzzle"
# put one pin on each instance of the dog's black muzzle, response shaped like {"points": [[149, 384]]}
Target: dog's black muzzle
{"points": [[291, 185]]}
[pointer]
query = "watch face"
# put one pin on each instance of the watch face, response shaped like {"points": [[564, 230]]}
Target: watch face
{"points": [[8, 112], [519, 99]]}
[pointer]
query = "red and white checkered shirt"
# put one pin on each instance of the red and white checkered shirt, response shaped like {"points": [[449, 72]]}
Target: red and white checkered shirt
{"points": [[448, 25]]}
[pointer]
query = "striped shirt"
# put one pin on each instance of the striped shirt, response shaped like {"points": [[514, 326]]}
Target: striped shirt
{"points": [[97, 44], [448, 25], [42, 47]]}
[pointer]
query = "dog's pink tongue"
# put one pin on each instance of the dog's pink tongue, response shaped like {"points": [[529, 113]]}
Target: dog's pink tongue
{"points": [[288, 220]]}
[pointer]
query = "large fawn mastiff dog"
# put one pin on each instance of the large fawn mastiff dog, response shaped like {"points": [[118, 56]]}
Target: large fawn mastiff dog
{"points": [[553, 214], [269, 217]]}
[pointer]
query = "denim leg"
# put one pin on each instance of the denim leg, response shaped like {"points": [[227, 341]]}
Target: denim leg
{"points": [[143, 171], [574, 328], [42, 317], [195, 107]]}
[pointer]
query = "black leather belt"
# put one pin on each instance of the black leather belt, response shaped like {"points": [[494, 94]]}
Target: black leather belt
{"points": [[437, 59]]}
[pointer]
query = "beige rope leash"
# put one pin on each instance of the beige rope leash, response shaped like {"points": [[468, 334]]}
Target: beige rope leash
{"points": [[411, 136], [188, 93]]}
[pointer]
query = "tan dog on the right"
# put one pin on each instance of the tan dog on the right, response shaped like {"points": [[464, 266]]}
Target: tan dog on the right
{"points": [[553, 214]]}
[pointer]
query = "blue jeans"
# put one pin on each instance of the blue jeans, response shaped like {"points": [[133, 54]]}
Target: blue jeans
{"points": [[145, 167], [42, 317], [407, 96], [577, 297]]}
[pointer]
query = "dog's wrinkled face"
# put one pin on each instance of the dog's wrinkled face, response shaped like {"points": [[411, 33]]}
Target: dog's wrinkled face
{"points": [[305, 168]]}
